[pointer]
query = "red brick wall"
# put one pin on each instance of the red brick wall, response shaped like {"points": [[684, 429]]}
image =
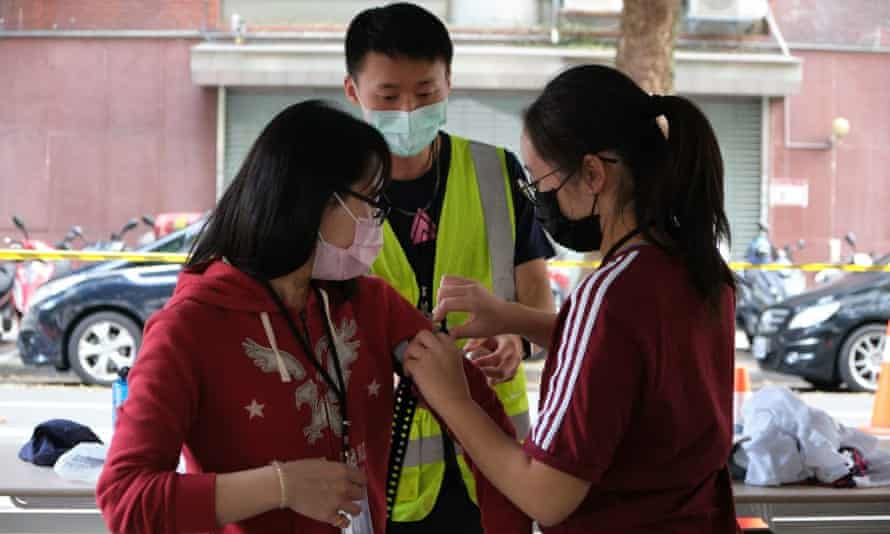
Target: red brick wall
{"points": [[108, 14], [853, 86], [93, 132], [847, 22]]}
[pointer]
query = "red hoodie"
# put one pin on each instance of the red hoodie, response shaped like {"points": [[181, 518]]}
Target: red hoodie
{"points": [[207, 383]]}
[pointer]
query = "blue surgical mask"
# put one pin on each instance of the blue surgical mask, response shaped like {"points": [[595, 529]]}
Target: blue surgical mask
{"points": [[408, 132]]}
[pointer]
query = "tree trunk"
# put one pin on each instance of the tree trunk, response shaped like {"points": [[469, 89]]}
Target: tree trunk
{"points": [[646, 50], [646, 47]]}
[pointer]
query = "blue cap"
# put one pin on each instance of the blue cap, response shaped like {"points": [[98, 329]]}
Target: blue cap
{"points": [[53, 438]]}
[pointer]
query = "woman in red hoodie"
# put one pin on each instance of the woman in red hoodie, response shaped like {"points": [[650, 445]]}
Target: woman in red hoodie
{"points": [[271, 368]]}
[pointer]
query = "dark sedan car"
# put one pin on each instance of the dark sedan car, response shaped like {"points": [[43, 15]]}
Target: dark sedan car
{"points": [[91, 320], [830, 335]]}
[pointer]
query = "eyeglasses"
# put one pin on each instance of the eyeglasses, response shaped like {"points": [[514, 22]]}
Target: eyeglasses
{"points": [[528, 184], [380, 206]]}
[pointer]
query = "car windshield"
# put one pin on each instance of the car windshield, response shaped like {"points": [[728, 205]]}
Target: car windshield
{"points": [[180, 241], [174, 245]]}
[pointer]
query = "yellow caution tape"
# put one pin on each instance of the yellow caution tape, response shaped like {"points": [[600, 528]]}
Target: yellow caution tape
{"points": [[810, 267], [81, 255], [581, 264], [163, 257], [745, 266]]}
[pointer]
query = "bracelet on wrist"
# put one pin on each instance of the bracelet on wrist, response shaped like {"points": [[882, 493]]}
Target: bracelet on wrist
{"points": [[281, 483]]}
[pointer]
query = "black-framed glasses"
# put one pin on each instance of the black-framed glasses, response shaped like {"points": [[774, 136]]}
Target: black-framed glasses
{"points": [[380, 206], [528, 184]]}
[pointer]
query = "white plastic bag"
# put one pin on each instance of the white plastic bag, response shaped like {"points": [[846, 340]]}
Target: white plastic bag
{"points": [[790, 442], [83, 463]]}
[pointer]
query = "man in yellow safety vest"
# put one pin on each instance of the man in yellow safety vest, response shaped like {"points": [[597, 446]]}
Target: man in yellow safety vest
{"points": [[455, 210]]}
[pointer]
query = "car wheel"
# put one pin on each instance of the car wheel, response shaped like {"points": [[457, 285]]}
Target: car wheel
{"points": [[859, 360], [101, 344]]}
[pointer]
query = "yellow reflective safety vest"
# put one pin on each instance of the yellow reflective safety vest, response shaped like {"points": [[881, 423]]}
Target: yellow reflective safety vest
{"points": [[475, 240]]}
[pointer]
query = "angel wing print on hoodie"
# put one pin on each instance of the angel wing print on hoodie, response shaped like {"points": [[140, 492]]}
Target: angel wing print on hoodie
{"points": [[264, 358], [324, 414], [306, 393]]}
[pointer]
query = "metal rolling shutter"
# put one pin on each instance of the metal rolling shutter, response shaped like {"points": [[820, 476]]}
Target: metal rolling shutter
{"points": [[494, 117], [737, 122]]}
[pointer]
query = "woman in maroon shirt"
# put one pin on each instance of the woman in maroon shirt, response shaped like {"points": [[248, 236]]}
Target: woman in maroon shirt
{"points": [[635, 418]]}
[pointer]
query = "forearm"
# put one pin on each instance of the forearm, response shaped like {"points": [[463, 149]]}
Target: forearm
{"points": [[540, 491], [498, 456], [533, 324], [533, 294], [245, 494]]}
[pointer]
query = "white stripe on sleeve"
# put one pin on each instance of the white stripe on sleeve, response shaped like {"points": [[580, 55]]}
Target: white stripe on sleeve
{"points": [[563, 394], [578, 305]]}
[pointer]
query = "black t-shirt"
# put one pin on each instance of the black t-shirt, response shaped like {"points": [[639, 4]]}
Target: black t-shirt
{"points": [[409, 196], [453, 511]]}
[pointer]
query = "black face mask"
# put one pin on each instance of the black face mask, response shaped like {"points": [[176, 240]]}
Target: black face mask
{"points": [[583, 235]]}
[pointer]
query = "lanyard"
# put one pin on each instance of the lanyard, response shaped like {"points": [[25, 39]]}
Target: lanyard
{"points": [[338, 387], [621, 242]]}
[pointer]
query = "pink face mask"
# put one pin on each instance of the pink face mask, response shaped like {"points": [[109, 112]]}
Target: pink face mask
{"points": [[335, 263]]}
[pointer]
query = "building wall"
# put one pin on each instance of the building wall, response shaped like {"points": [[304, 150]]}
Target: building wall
{"points": [[96, 131], [287, 13], [861, 23], [856, 197], [108, 14], [336, 14]]}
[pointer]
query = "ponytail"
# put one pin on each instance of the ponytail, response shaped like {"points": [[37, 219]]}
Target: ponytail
{"points": [[686, 201]]}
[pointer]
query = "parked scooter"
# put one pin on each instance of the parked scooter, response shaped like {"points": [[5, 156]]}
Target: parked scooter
{"points": [[24, 272], [116, 242], [31, 274], [149, 236], [827, 276], [758, 289], [762, 251], [7, 306], [751, 300], [794, 280]]}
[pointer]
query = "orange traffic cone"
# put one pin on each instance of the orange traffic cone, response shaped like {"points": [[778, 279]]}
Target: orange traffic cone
{"points": [[880, 414], [742, 392]]}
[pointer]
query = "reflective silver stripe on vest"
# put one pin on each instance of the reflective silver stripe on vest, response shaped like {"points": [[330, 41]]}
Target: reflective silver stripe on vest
{"points": [[501, 249], [424, 451], [430, 450], [399, 351], [522, 423], [499, 227]]}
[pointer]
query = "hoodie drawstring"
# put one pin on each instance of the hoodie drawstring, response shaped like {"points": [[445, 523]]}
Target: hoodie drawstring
{"points": [[270, 335]]}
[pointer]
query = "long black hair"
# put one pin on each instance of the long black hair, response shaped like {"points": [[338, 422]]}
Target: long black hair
{"points": [[677, 182], [266, 224]]}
